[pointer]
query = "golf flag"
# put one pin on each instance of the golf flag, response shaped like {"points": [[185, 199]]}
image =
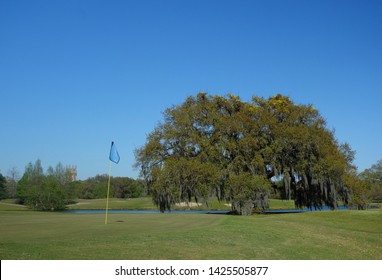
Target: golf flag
{"points": [[114, 156]]}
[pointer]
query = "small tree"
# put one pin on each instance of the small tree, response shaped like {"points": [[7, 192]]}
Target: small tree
{"points": [[359, 191], [47, 196], [247, 192], [12, 179], [30, 178], [373, 178], [3, 187], [124, 187], [38, 191]]}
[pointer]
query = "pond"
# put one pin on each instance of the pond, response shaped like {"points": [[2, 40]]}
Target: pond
{"points": [[276, 211], [284, 211], [147, 211]]}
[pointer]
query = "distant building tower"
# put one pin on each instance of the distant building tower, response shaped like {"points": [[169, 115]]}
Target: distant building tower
{"points": [[72, 170]]}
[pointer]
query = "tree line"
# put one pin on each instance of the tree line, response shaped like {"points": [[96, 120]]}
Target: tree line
{"points": [[220, 146], [240, 151], [54, 189]]}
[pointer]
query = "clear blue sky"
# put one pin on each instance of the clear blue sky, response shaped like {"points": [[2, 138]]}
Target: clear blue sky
{"points": [[75, 75]]}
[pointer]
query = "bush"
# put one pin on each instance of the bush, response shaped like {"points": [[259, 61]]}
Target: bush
{"points": [[47, 196], [3, 187], [247, 192], [376, 193]]}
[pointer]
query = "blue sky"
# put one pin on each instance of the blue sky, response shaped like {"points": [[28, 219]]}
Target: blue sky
{"points": [[76, 75]]}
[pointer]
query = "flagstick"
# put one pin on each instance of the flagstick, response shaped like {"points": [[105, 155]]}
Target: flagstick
{"points": [[108, 190]]}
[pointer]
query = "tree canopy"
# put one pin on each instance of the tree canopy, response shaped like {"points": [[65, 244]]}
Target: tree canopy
{"points": [[222, 146], [55, 188], [42, 192]]}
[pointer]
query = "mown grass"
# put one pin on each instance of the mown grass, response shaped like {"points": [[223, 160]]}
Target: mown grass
{"points": [[145, 203], [142, 203], [315, 235]]}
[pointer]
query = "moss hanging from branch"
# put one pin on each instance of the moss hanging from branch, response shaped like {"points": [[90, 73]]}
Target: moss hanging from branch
{"points": [[220, 145]]}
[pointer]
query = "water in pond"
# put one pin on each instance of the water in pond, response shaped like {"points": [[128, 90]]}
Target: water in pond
{"points": [[283, 211], [279, 211], [147, 211]]}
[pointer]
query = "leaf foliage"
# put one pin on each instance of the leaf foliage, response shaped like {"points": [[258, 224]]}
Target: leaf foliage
{"points": [[223, 146]]}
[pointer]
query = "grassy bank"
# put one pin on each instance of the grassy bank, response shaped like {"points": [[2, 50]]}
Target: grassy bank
{"points": [[316, 235], [145, 203], [142, 203]]}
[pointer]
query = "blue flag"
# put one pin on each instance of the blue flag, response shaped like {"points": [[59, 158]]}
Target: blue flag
{"points": [[114, 156]]}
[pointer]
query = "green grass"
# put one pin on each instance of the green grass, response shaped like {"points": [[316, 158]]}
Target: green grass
{"points": [[142, 203], [315, 235], [145, 203]]}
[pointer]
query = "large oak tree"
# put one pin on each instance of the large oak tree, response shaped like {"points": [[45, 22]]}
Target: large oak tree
{"points": [[234, 150]]}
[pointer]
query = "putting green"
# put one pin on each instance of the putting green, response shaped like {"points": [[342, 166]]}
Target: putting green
{"points": [[319, 235]]}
